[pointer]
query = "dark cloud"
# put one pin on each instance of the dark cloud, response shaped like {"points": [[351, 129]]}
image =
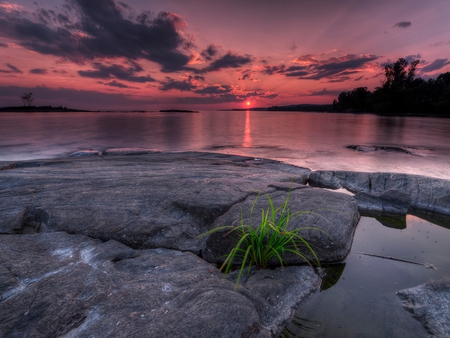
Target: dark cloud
{"points": [[359, 78], [41, 71], [12, 69], [210, 52], [403, 24], [84, 30], [335, 69], [185, 85], [121, 72], [219, 89], [435, 65], [411, 58], [5, 45], [229, 60], [270, 70], [114, 83]]}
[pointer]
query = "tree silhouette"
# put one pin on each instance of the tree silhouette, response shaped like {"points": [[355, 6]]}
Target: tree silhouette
{"points": [[400, 93], [27, 98]]}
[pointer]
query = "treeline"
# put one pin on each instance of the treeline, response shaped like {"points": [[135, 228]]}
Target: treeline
{"points": [[400, 93]]}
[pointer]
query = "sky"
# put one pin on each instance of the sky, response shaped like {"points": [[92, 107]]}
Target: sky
{"points": [[207, 55]]}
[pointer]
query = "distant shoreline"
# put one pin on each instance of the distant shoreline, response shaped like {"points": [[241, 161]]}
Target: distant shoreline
{"points": [[40, 109], [313, 108]]}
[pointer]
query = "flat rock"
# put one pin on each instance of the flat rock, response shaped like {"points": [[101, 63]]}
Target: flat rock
{"points": [[158, 200], [430, 303], [334, 214], [61, 285], [428, 195]]}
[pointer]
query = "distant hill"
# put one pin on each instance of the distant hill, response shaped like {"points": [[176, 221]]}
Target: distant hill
{"points": [[304, 107]]}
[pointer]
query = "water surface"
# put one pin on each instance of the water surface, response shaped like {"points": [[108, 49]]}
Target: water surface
{"points": [[313, 140]]}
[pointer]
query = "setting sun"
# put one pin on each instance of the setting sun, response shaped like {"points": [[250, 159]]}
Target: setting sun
{"points": [[247, 103]]}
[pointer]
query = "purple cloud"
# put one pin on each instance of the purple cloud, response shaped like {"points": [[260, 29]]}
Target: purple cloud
{"points": [[84, 30], [40, 71], [435, 65], [120, 72], [403, 24]]}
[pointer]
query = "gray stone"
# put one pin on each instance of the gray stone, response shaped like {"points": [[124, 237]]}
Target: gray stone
{"points": [[428, 195], [61, 285], [390, 202], [335, 214], [430, 303], [146, 201]]}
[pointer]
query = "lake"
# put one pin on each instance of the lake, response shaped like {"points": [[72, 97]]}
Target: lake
{"points": [[361, 301]]}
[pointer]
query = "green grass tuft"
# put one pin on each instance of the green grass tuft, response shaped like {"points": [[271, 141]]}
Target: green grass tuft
{"points": [[270, 239]]}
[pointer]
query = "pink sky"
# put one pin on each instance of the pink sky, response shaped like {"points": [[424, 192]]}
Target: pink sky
{"points": [[202, 54]]}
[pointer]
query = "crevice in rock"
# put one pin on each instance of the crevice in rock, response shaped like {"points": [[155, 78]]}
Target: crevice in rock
{"points": [[34, 220]]}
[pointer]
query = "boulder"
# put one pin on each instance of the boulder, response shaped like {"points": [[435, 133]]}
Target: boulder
{"points": [[390, 202], [157, 200], [428, 195], [430, 303], [56, 284], [335, 215]]}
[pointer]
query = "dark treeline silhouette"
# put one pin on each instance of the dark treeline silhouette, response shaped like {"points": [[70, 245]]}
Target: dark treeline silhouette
{"points": [[400, 93]]}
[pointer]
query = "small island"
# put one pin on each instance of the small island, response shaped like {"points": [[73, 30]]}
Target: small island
{"points": [[178, 111]]}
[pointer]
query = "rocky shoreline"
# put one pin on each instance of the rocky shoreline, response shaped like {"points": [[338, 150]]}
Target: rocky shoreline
{"points": [[107, 244]]}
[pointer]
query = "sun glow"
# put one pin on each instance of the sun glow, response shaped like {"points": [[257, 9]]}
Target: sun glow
{"points": [[247, 103]]}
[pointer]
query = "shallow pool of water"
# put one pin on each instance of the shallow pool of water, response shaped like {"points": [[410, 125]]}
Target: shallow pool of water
{"points": [[363, 302]]}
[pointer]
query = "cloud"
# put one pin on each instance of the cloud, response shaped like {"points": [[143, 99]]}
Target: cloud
{"points": [[12, 69], [435, 65], [210, 52], [102, 71], [234, 95], [188, 84], [229, 60], [40, 71], [4, 45], [217, 89], [84, 30], [114, 83], [403, 24], [411, 58], [335, 69]]}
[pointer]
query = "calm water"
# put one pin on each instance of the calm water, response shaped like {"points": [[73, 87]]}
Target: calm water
{"points": [[362, 303], [312, 140]]}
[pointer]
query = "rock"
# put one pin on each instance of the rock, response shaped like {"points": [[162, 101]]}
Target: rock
{"points": [[130, 151], [148, 201], [335, 214], [56, 284], [87, 152], [390, 202], [407, 150], [428, 195], [430, 303]]}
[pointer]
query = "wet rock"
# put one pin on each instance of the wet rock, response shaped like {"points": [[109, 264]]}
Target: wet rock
{"points": [[390, 202], [334, 214], [75, 286], [430, 303], [429, 195]]}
